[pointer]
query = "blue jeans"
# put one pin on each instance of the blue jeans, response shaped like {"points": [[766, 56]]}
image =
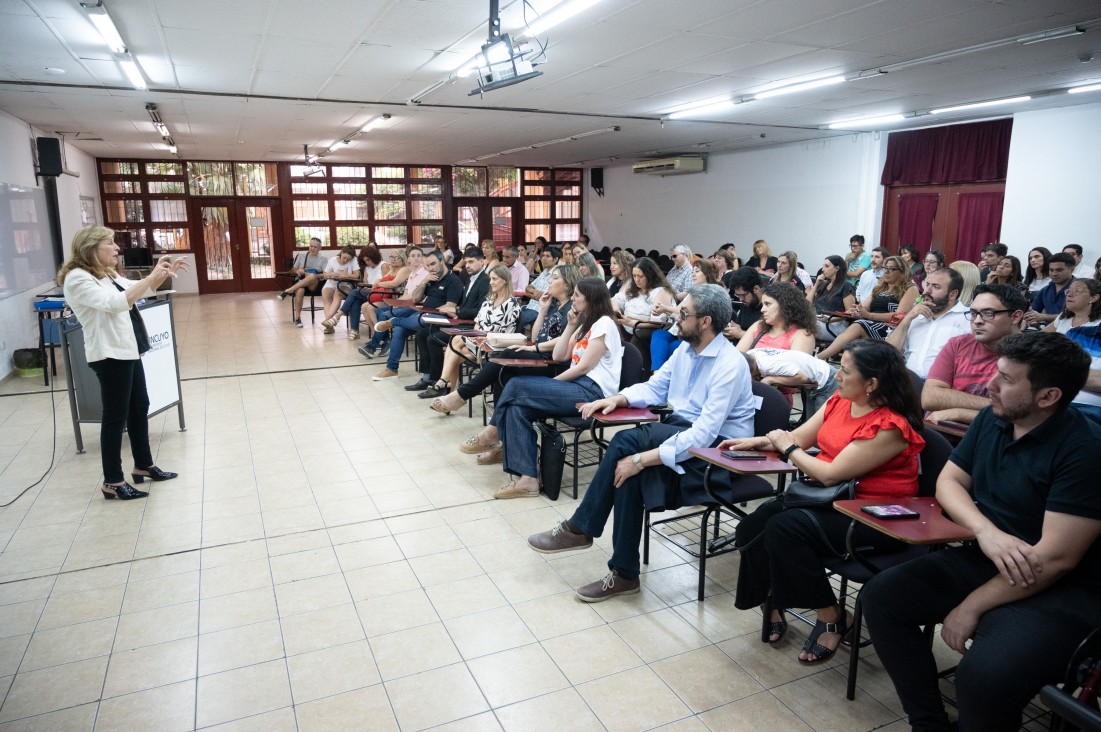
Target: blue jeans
{"points": [[527, 317], [526, 399], [352, 304], [402, 326], [662, 345], [383, 312]]}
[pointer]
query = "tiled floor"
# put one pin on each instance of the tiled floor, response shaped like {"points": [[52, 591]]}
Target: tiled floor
{"points": [[329, 560]]}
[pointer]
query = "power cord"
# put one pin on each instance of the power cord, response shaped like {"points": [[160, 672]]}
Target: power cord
{"points": [[53, 451]]}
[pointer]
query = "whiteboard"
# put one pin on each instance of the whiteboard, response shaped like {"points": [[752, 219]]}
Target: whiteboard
{"points": [[161, 380], [26, 251]]}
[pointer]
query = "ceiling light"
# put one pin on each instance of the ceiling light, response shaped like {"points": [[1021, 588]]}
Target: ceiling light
{"points": [[827, 81], [1087, 88], [886, 119], [979, 105], [374, 122], [97, 13], [172, 149], [546, 143], [558, 14], [1051, 35], [132, 73], [702, 110]]}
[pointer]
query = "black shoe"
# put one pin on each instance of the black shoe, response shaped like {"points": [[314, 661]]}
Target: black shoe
{"points": [[433, 392], [155, 474], [424, 383], [124, 492], [367, 351]]}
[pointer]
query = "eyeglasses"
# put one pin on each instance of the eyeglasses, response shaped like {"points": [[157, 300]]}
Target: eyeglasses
{"points": [[932, 261], [986, 314], [685, 315]]}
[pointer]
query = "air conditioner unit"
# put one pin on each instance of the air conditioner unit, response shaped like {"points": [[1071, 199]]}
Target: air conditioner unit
{"points": [[669, 166]]}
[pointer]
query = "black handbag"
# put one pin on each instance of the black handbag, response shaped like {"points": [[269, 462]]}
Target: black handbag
{"points": [[552, 459], [808, 492]]}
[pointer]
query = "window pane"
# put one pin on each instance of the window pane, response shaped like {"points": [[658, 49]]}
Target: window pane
{"points": [[425, 234], [217, 242], [124, 212], [567, 232], [137, 236], [389, 189], [533, 230], [164, 169], [502, 224], [537, 209], [210, 179], [537, 175], [166, 186], [303, 234], [467, 216], [170, 240], [311, 210], [504, 182], [257, 179], [567, 175], [531, 190], [353, 236], [349, 171], [427, 209], [567, 209], [350, 189], [567, 190], [299, 171], [388, 210], [468, 181], [391, 236], [388, 171], [171, 209], [315, 188], [118, 168], [121, 186], [426, 189], [352, 210], [258, 222], [430, 173]]}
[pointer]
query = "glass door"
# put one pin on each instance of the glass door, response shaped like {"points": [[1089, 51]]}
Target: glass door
{"points": [[236, 241], [477, 219]]}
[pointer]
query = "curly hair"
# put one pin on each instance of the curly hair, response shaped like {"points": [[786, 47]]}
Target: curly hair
{"points": [[794, 308], [904, 283], [653, 275]]}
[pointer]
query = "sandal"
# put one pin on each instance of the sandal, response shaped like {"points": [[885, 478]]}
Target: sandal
{"points": [[471, 446], [511, 491], [437, 405], [769, 628], [491, 456], [821, 653]]}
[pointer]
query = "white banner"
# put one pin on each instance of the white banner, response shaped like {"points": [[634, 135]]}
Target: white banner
{"points": [[160, 360]]}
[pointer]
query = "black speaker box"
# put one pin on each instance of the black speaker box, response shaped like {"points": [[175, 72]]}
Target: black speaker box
{"points": [[49, 155], [596, 177]]}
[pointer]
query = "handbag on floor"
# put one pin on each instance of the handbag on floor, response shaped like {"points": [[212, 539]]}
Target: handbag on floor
{"points": [[552, 459]]}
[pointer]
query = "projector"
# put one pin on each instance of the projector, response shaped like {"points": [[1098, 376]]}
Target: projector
{"points": [[501, 64]]}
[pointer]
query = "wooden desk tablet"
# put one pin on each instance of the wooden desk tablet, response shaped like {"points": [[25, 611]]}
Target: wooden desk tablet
{"points": [[952, 429], [524, 363], [463, 332], [626, 415], [769, 464], [393, 302], [931, 527]]}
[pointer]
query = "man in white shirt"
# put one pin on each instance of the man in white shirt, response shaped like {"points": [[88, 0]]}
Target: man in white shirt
{"points": [[1082, 270], [520, 274], [930, 323], [870, 276]]}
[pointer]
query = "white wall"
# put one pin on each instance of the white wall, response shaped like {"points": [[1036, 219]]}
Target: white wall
{"points": [[808, 197], [1053, 189], [18, 323]]}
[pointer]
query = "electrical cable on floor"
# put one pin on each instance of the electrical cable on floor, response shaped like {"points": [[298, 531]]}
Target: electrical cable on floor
{"points": [[53, 450]]}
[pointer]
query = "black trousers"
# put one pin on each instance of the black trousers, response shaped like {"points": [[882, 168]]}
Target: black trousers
{"points": [[782, 552], [125, 406], [1017, 648], [493, 376], [431, 343]]}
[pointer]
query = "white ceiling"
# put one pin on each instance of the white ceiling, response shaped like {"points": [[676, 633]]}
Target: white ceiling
{"points": [[258, 79]]}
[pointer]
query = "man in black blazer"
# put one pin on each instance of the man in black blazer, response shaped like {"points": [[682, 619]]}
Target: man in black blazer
{"points": [[431, 342]]}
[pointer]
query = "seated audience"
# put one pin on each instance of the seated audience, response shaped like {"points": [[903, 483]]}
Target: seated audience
{"points": [[1083, 306], [635, 303], [787, 322], [870, 431], [990, 255], [706, 383], [588, 265], [1037, 275], [664, 342], [725, 264], [535, 259], [371, 264], [548, 261], [340, 274], [912, 258], [745, 287], [1025, 594], [831, 293], [567, 256], [784, 369], [929, 325], [970, 274], [307, 268], [591, 344], [957, 383], [891, 299], [489, 249], [1006, 272], [1081, 269], [680, 276], [519, 270], [933, 261], [762, 259], [1088, 401], [371, 270], [857, 260], [620, 266], [1049, 302], [869, 278], [440, 245], [788, 272], [407, 272]]}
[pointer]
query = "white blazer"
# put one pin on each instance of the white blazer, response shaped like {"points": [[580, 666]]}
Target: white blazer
{"points": [[104, 313]]}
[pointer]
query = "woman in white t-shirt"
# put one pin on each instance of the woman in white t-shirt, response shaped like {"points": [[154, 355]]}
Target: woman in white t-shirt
{"points": [[340, 276], [635, 304], [592, 346]]}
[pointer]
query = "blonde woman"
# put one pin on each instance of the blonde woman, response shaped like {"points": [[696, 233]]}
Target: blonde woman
{"points": [[762, 259], [620, 265], [895, 293], [787, 270], [970, 274], [114, 339]]}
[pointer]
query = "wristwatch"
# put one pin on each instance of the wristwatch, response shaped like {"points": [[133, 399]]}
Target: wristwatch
{"points": [[637, 460], [786, 454]]}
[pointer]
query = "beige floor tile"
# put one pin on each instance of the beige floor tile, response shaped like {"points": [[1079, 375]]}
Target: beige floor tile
{"points": [[634, 699], [428, 541], [331, 671], [817, 700], [81, 607], [456, 696], [164, 709], [530, 582], [20, 618], [381, 580], [237, 577], [160, 591], [771, 667], [242, 692], [545, 714], [12, 649], [69, 643], [304, 565], [157, 626], [232, 553], [74, 719], [368, 552], [281, 720], [358, 532], [239, 608], [54, 688], [659, 634], [489, 631], [150, 666], [243, 645], [26, 590], [414, 650], [311, 594], [91, 579], [465, 596], [484, 722], [348, 711], [718, 619], [706, 678], [144, 569], [556, 615], [516, 675], [745, 715], [298, 541], [591, 654], [320, 629], [448, 566], [396, 612]]}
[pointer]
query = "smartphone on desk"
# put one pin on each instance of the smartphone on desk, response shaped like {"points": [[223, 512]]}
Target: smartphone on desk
{"points": [[890, 512], [743, 455]]}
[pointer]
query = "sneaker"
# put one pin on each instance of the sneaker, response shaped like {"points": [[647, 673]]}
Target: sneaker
{"points": [[384, 375], [424, 383], [383, 326], [559, 539], [367, 351], [298, 322], [281, 296], [608, 587]]}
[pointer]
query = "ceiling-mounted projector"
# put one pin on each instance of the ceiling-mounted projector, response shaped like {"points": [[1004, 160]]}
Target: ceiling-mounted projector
{"points": [[501, 64]]}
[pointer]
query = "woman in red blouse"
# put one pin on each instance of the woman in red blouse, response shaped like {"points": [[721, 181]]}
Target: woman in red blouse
{"points": [[869, 430]]}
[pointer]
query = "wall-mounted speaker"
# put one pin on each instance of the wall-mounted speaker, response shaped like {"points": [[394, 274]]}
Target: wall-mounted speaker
{"points": [[49, 155], [596, 179]]}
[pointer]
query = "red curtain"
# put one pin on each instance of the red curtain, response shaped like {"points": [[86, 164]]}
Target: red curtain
{"points": [[916, 212], [954, 154], [980, 223]]}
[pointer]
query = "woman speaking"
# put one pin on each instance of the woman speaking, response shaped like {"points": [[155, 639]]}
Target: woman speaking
{"points": [[114, 339]]}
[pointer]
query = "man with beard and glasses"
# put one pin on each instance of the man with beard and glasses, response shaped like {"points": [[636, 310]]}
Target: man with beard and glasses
{"points": [[929, 325], [707, 384]]}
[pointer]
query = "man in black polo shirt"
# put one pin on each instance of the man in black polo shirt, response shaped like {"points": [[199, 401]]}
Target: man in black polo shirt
{"points": [[1024, 480], [441, 290], [745, 285]]}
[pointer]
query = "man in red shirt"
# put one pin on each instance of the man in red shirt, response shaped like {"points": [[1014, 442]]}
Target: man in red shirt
{"points": [[955, 389]]}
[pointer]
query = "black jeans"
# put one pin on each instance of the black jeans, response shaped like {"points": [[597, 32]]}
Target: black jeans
{"points": [[1017, 648], [125, 405], [495, 376]]}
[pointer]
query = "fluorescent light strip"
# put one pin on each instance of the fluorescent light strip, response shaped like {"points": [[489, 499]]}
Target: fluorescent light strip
{"points": [[886, 119], [106, 27], [980, 105], [1083, 89], [558, 14], [1051, 35], [805, 86], [132, 73], [703, 110], [374, 122]]}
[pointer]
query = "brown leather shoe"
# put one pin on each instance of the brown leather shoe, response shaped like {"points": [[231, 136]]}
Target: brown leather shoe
{"points": [[608, 587], [559, 539]]}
